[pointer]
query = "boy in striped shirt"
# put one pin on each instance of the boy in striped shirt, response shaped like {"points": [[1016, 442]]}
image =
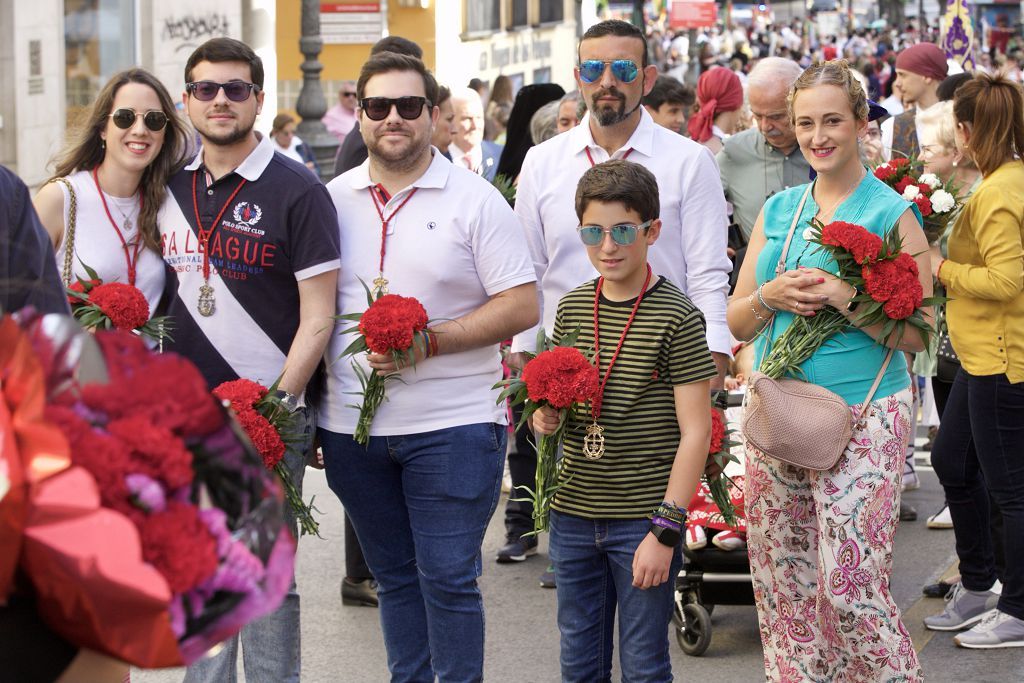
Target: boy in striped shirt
{"points": [[635, 456]]}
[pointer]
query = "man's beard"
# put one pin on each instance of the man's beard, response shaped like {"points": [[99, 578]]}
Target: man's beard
{"points": [[609, 116], [241, 132], [397, 159]]}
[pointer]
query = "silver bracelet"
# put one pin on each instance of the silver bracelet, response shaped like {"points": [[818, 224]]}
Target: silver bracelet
{"points": [[753, 309], [761, 300]]}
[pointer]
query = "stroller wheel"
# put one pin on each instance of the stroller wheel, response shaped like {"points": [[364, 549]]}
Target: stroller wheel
{"points": [[694, 635]]}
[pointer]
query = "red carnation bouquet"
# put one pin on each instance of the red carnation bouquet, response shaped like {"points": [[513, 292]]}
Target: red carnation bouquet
{"points": [[390, 325], [99, 305], [937, 200], [147, 529], [888, 293], [271, 427], [720, 451], [560, 377]]}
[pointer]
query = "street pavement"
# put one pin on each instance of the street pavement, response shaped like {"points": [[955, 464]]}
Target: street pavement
{"points": [[343, 644]]}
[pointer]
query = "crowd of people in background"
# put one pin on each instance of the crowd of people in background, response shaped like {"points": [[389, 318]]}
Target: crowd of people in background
{"points": [[728, 125]]}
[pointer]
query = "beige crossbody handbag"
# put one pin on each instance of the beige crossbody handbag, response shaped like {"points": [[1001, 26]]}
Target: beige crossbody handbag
{"points": [[800, 423]]}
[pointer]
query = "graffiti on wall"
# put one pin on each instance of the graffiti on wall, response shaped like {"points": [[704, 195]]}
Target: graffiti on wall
{"points": [[186, 32]]}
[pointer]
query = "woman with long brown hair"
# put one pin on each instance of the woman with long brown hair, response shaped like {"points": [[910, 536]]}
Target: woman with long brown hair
{"points": [[101, 205]]}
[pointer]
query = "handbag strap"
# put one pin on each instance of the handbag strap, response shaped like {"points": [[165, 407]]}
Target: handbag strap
{"points": [[69, 236]]}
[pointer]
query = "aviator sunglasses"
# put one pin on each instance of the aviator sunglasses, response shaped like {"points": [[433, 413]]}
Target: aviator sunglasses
{"points": [[154, 119], [622, 234], [409, 107], [236, 91], [624, 70]]}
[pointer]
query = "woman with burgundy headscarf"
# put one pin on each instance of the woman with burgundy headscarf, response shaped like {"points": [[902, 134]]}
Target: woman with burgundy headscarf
{"points": [[719, 98]]}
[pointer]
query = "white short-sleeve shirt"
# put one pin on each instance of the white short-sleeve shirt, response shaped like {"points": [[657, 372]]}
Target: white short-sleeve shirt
{"points": [[691, 251], [453, 245]]}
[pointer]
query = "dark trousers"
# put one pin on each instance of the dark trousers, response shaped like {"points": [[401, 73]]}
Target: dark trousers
{"points": [[980, 451], [522, 466], [941, 389], [355, 563]]}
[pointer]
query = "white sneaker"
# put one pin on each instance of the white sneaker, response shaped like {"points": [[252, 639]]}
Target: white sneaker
{"points": [[695, 537], [729, 540], [941, 519]]}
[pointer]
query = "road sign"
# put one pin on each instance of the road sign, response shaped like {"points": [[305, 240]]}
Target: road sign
{"points": [[692, 14]]}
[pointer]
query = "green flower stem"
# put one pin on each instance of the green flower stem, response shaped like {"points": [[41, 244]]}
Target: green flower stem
{"points": [[799, 342], [303, 512], [373, 397], [719, 489], [549, 468]]}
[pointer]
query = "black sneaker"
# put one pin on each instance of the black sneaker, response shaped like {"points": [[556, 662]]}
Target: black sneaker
{"points": [[517, 549], [362, 593]]}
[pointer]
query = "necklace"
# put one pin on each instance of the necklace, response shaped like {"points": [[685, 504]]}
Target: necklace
{"points": [[593, 442], [590, 158], [130, 257], [380, 284], [207, 304], [835, 205]]}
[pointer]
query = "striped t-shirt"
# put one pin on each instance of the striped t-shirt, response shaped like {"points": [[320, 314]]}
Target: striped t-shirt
{"points": [[666, 346]]}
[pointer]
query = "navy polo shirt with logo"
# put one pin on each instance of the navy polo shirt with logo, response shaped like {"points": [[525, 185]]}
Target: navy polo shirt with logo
{"points": [[278, 229]]}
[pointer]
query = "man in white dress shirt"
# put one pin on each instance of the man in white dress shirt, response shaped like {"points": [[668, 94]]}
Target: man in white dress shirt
{"points": [[613, 77]]}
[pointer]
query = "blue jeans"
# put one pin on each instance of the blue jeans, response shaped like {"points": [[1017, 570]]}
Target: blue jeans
{"points": [[978, 451], [271, 649], [593, 561], [420, 504]]}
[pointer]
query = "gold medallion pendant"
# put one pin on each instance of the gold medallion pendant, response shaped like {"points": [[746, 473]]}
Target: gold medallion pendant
{"points": [[593, 442], [380, 285], [207, 304]]}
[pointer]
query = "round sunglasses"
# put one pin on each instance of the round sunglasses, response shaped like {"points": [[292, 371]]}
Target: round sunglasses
{"points": [[154, 119], [409, 108], [622, 234], [624, 70], [236, 91]]}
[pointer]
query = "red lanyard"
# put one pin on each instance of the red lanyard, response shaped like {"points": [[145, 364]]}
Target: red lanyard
{"points": [[384, 224], [130, 258], [595, 405], [204, 235], [622, 158]]}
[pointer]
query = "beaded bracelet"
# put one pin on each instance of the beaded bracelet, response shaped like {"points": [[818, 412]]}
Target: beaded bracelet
{"points": [[670, 512], [753, 309]]}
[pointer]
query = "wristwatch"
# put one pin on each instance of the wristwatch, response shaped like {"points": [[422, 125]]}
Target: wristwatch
{"points": [[666, 536], [290, 401]]}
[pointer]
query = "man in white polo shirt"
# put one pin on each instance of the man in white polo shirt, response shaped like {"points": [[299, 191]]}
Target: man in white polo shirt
{"points": [[613, 77], [421, 491]]}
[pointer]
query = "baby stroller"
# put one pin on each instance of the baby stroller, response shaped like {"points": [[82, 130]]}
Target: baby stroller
{"points": [[709, 577]]}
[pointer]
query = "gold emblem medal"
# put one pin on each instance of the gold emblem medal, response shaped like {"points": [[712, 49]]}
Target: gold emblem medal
{"points": [[593, 442]]}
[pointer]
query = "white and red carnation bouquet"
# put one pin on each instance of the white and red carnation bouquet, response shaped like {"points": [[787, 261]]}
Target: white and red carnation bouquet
{"points": [[272, 429], [936, 200]]}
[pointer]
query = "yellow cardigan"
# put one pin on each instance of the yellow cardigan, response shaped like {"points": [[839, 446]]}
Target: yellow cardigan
{"points": [[984, 277]]}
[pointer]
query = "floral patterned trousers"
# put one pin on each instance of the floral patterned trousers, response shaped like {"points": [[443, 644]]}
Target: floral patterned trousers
{"points": [[820, 547]]}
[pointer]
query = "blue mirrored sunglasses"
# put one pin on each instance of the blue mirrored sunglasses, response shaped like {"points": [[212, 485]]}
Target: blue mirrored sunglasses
{"points": [[623, 234], [624, 70]]}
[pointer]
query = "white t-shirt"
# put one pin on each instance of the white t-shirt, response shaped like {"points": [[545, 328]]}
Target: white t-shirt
{"points": [[453, 245], [292, 151], [97, 244], [691, 251]]}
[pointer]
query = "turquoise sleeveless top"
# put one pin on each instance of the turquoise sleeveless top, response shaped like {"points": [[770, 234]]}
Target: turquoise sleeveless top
{"points": [[848, 362]]}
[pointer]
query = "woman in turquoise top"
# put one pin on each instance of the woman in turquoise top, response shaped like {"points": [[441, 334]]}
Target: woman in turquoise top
{"points": [[820, 543]]}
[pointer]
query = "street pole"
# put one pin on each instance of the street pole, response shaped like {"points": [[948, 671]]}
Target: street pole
{"points": [[311, 105]]}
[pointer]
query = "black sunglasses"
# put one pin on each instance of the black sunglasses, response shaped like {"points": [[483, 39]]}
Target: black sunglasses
{"points": [[236, 91], [409, 108], [154, 119]]}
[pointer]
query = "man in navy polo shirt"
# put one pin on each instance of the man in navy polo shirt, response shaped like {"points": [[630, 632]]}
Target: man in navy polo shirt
{"points": [[252, 240]]}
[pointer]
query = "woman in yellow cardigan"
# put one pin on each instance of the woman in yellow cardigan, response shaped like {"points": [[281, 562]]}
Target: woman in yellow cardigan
{"points": [[980, 445]]}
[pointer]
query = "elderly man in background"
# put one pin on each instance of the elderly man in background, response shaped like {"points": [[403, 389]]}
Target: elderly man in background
{"points": [[341, 118], [469, 149], [758, 162]]}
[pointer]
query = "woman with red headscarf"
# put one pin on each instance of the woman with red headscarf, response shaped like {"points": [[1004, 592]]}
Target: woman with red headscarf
{"points": [[719, 98]]}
